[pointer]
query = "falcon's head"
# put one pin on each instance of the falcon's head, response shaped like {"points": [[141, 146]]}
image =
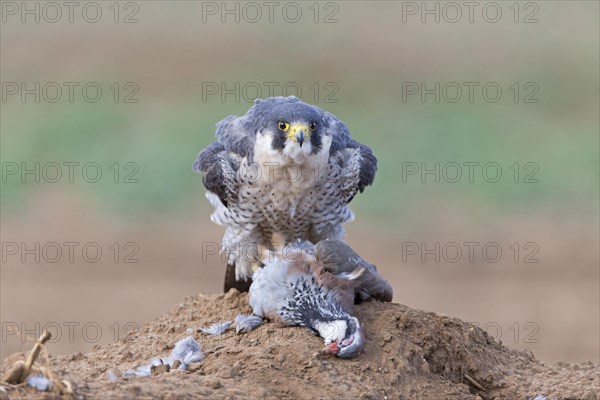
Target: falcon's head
{"points": [[343, 338], [291, 127]]}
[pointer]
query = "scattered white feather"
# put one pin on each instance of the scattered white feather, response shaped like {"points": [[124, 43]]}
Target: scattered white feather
{"points": [[111, 375], [144, 370], [245, 323], [187, 351], [39, 382], [216, 329]]}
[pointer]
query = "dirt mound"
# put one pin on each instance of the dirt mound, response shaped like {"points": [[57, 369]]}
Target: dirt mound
{"points": [[410, 354]]}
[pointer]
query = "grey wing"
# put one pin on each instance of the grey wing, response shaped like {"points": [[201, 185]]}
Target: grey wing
{"points": [[341, 140], [220, 160], [238, 135], [340, 135], [339, 258], [209, 163], [368, 164]]}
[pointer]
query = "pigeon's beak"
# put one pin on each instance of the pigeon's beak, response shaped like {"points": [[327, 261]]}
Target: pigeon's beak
{"points": [[331, 348]]}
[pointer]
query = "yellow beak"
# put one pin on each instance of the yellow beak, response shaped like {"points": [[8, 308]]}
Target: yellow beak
{"points": [[298, 133]]}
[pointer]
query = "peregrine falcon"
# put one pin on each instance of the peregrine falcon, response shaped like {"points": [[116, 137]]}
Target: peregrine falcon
{"points": [[285, 168]]}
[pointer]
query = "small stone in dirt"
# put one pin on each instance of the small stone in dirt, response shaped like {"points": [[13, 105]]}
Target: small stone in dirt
{"points": [[236, 392], [226, 373], [233, 293], [159, 369], [275, 366], [127, 356], [280, 358]]}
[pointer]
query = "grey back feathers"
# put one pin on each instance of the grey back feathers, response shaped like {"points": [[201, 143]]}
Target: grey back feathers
{"points": [[339, 258]]}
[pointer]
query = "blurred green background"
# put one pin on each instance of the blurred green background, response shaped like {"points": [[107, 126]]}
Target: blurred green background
{"points": [[367, 54]]}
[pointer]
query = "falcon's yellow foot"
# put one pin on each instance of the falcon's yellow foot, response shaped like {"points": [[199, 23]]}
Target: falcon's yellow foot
{"points": [[256, 266]]}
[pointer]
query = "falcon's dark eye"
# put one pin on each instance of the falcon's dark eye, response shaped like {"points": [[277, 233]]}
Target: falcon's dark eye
{"points": [[283, 126], [312, 126]]}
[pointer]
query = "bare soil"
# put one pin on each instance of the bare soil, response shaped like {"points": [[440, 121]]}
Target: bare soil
{"points": [[410, 354]]}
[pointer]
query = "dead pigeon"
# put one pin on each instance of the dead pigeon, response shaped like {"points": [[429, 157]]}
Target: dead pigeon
{"points": [[294, 288]]}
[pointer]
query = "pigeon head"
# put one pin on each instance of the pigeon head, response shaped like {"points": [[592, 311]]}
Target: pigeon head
{"points": [[343, 338]]}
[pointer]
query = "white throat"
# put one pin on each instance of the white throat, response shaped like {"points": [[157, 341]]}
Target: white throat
{"points": [[296, 165], [332, 331]]}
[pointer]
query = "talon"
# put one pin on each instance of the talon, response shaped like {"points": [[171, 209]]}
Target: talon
{"points": [[255, 267]]}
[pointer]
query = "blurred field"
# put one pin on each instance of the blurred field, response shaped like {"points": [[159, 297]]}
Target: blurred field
{"points": [[368, 54]]}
